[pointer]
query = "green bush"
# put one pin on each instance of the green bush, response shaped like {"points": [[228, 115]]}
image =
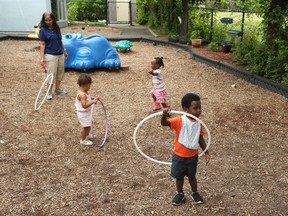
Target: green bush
{"points": [[142, 15], [214, 46], [285, 79], [199, 23], [152, 22], [219, 32], [54, 8], [86, 10], [260, 59], [247, 48]]}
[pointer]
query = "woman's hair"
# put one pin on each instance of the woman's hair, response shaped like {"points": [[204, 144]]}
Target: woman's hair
{"points": [[84, 79], [188, 98], [159, 61], [55, 25]]}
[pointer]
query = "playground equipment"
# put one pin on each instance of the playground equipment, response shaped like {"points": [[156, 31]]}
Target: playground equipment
{"points": [[93, 124], [90, 52], [44, 89], [123, 45], [35, 35]]}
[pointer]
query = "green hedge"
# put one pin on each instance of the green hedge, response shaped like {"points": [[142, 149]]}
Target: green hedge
{"points": [[86, 10]]}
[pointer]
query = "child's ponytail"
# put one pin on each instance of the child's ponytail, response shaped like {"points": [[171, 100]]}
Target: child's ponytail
{"points": [[159, 61]]}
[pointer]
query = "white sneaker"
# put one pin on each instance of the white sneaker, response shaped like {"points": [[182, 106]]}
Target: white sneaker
{"points": [[49, 96], [90, 137], [86, 142]]}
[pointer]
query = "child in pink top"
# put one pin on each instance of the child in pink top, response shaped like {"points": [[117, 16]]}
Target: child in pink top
{"points": [[158, 91], [83, 102]]}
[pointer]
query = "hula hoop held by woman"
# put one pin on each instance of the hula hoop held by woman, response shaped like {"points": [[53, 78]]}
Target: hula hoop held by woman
{"points": [[42, 93]]}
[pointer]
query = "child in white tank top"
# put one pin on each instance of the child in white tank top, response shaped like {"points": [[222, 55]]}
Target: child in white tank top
{"points": [[83, 102]]}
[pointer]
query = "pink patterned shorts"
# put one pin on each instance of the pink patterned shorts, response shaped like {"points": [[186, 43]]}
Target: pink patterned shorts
{"points": [[160, 95]]}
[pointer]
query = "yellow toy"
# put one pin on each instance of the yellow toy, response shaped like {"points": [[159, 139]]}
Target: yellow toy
{"points": [[35, 35]]}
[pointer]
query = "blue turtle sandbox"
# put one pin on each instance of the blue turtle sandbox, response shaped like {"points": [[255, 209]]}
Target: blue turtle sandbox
{"points": [[123, 45], [90, 52]]}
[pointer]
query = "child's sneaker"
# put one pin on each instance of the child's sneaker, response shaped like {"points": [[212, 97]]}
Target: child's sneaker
{"points": [[60, 92], [49, 96], [196, 198], [157, 106], [86, 142], [178, 199], [90, 137]]}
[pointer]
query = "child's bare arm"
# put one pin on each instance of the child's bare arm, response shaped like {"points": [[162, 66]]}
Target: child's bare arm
{"points": [[164, 120], [152, 73], [203, 145], [85, 104], [95, 98]]}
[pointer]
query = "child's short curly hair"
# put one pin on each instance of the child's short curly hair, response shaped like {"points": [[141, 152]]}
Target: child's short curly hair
{"points": [[84, 79], [188, 98]]}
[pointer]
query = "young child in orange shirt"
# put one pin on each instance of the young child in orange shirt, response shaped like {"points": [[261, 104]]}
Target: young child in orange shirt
{"points": [[189, 135]]}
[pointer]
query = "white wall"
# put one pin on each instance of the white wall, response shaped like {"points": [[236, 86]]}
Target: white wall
{"points": [[22, 15]]}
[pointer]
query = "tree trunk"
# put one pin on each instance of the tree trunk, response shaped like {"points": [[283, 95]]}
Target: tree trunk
{"points": [[151, 9], [171, 16], [184, 24], [274, 21], [161, 5]]}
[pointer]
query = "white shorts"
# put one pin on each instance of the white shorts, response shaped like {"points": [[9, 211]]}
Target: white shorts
{"points": [[84, 119]]}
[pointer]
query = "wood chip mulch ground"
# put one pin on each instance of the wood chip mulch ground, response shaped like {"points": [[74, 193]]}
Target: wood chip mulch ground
{"points": [[45, 171]]}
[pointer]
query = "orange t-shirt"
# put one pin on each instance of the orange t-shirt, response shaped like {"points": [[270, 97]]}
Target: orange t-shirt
{"points": [[179, 149]]}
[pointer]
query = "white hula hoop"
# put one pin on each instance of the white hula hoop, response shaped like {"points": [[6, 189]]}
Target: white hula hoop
{"points": [[161, 113], [50, 76]]}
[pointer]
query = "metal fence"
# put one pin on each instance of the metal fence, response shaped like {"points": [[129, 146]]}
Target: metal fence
{"points": [[114, 12], [224, 20], [124, 12]]}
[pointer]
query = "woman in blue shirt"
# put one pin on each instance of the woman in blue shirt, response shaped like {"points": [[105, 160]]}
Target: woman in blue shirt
{"points": [[52, 51]]}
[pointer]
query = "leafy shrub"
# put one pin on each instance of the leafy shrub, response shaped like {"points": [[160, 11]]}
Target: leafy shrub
{"points": [[260, 59], [86, 10], [285, 79], [142, 14], [199, 23], [247, 48], [214, 46], [152, 21], [54, 8], [219, 31]]}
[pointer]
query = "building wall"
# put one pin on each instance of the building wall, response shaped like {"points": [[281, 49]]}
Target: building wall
{"points": [[119, 11], [22, 15]]}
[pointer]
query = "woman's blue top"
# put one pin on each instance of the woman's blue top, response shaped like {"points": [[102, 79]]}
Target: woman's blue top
{"points": [[53, 41]]}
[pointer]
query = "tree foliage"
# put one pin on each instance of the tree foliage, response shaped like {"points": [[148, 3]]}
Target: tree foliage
{"points": [[162, 14], [54, 8], [86, 10]]}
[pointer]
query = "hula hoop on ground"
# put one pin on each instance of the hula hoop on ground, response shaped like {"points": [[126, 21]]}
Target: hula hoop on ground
{"points": [[91, 125], [160, 113], [49, 76]]}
